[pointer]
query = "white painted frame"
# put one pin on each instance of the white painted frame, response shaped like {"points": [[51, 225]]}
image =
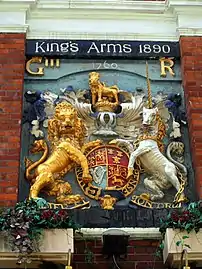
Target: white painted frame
{"points": [[106, 19]]}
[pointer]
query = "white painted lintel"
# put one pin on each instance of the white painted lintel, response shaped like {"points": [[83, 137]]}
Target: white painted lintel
{"points": [[107, 19], [135, 233]]}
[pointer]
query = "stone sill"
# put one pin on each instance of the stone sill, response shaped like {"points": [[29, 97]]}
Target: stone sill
{"points": [[135, 233], [172, 252], [54, 246]]}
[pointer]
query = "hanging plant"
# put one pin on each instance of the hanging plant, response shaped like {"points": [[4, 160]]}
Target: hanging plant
{"points": [[185, 219], [25, 223]]}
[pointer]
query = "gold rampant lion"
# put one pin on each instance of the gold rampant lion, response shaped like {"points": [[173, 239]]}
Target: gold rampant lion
{"points": [[66, 133], [100, 91]]}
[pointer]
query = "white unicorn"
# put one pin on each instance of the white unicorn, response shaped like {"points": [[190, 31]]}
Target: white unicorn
{"points": [[163, 171]]}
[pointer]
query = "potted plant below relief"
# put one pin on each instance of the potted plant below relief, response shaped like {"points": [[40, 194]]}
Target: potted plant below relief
{"points": [[182, 231], [28, 229]]}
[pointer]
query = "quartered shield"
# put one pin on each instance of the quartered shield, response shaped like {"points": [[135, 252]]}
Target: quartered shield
{"points": [[108, 167]]}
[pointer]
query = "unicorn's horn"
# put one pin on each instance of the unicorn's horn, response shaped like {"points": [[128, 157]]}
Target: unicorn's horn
{"points": [[148, 87]]}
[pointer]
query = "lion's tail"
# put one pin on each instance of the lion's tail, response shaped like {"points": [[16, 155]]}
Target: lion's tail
{"points": [[30, 166]]}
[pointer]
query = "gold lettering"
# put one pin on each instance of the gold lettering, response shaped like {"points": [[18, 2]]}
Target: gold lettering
{"points": [[52, 62], [46, 62], [167, 205], [40, 70], [57, 62], [50, 205], [55, 206], [166, 65]]}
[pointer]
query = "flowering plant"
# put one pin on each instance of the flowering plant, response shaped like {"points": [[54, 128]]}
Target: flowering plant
{"points": [[25, 222], [186, 219]]}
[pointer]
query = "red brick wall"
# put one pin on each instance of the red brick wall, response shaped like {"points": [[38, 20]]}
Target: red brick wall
{"points": [[12, 60], [141, 255], [191, 61]]}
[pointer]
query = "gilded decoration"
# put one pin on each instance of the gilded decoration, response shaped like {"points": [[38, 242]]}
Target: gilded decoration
{"points": [[66, 132], [104, 98], [118, 145]]}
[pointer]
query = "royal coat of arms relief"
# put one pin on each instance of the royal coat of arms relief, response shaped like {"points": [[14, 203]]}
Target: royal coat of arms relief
{"points": [[118, 145]]}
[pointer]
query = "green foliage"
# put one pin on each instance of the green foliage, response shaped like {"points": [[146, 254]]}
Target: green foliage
{"points": [[186, 219], [25, 222], [89, 255]]}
